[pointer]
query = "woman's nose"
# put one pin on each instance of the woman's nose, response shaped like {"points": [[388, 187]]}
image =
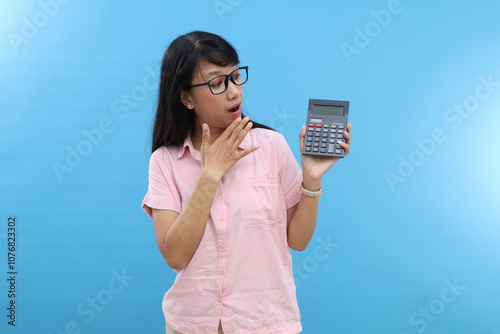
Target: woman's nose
{"points": [[232, 90]]}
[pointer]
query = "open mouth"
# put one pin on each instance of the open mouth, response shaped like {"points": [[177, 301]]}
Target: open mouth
{"points": [[235, 108]]}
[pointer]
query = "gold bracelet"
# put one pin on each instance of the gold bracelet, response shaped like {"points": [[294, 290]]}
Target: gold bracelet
{"points": [[310, 193]]}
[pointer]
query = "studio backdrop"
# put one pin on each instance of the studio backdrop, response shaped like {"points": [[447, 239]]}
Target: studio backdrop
{"points": [[407, 239]]}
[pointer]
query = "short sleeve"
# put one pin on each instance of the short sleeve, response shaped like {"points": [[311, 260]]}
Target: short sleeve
{"points": [[162, 190], [290, 172]]}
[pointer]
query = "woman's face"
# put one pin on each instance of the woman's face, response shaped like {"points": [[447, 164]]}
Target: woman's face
{"points": [[218, 111]]}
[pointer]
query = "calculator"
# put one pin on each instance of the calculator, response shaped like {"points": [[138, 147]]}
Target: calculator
{"points": [[326, 123]]}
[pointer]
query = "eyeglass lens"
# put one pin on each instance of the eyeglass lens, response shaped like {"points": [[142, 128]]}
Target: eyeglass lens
{"points": [[218, 85]]}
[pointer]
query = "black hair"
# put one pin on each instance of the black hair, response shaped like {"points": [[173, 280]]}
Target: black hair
{"points": [[174, 122]]}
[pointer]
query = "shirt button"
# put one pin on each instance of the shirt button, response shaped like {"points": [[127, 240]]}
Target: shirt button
{"points": [[219, 300], [221, 218], [223, 245], [221, 272], [219, 193]]}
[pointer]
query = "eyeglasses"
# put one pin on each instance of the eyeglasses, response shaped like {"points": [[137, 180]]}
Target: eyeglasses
{"points": [[219, 84]]}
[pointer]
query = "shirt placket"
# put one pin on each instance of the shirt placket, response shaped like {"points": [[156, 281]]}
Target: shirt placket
{"points": [[222, 246]]}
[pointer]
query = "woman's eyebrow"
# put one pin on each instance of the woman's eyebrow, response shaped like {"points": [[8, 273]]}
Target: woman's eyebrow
{"points": [[214, 72]]}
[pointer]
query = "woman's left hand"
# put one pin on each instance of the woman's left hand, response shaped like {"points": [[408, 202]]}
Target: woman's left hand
{"points": [[314, 167]]}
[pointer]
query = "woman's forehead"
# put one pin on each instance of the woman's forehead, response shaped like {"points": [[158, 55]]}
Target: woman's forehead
{"points": [[208, 69]]}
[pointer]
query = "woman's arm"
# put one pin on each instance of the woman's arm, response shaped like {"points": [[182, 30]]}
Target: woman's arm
{"points": [[178, 235], [302, 217]]}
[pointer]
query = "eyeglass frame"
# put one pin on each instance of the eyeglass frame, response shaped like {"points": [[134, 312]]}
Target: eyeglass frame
{"points": [[226, 81]]}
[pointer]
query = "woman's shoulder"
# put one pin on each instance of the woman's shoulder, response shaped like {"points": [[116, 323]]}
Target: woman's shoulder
{"points": [[262, 135], [164, 154], [160, 152]]}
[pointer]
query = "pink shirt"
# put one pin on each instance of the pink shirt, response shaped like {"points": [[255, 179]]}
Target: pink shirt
{"points": [[241, 272]]}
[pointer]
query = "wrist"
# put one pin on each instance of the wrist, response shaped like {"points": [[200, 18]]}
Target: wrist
{"points": [[310, 193], [311, 184], [207, 176]]}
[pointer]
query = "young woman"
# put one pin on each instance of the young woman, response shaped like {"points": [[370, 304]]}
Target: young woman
{"points": [[227, 198]]}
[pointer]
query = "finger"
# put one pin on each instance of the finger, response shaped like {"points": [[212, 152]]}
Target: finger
{"points": [[242, 134], [232, 131], [236, 136], [346, 146], [349, 127], [205, 134], [205, 139], [247, 151], [302, 135], [229, 130], [347, 136], [241, 125]]}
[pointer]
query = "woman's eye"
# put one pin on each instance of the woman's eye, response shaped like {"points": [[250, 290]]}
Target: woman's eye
{"points": [[216, 83], [236, 76]]}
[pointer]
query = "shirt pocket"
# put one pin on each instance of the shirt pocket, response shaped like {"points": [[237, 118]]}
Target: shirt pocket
{"points": [[263, 203]]}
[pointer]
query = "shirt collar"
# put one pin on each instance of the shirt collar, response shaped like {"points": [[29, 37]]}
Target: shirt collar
{"points": [[188, 146]]}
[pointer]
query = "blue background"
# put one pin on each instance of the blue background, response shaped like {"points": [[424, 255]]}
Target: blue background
{"points": [[384, 254]]}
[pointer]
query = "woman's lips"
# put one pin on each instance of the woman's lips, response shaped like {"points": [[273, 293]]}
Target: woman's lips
{"points": [[235, 108]]}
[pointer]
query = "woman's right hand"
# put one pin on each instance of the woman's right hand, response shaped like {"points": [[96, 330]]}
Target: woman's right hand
{"points": [[217, 158]]}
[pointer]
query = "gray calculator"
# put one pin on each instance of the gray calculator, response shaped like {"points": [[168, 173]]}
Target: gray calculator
{"points": [[326, 123]]}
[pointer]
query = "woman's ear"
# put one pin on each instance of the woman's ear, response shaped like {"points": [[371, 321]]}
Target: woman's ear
{"points": [[186, 99]]}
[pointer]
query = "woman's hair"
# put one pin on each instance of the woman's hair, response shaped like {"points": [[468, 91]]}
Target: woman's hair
{"points": [[173, 121]]}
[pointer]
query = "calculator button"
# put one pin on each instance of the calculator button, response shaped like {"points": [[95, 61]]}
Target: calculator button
{"points": [[326, 125], [331, 148], [310, 133], [316, 144], [316, 149], [309, 139], [311, 125], [308, 149], [323, 150], [334, 126], [340, 130], [337, 151], [332, 141], [317, 140], [333, 130], [309, 144], [339, 135], [324, 140], [319, 125], [341, 126], [323, 145], [326, 135]]}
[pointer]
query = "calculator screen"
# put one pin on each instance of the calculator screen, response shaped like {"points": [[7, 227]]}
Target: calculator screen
{"points": [[328, 110]]}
